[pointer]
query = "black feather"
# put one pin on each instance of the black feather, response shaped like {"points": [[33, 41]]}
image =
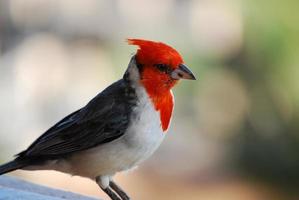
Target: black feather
{"points": [[11, 166], [104, 119]]}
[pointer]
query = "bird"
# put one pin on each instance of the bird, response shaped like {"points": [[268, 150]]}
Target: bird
{"points": [[116, 130]]}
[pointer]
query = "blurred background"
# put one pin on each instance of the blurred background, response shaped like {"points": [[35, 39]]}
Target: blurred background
{"points": [[235, 131]]}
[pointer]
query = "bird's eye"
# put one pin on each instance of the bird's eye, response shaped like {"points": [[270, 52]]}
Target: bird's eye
{"points": [[163, 68]]}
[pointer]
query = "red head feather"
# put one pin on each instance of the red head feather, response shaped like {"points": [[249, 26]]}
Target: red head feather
{"points": [[157, 84], [151, 52]]}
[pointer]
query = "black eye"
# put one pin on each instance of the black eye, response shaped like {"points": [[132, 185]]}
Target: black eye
{"points": [[163, 68]]}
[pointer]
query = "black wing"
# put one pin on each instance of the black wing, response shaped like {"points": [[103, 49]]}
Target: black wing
{"points": [[103, 119]]}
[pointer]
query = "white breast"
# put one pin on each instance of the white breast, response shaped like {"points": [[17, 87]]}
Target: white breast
{"points": [[145, 133], [141, 139]]}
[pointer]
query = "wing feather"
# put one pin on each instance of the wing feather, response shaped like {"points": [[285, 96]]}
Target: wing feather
{"points": [[104, 119]]}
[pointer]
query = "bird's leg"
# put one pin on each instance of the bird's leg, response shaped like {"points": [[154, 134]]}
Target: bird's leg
{"points": [[118, 190], [107, 189], [111, 194]]}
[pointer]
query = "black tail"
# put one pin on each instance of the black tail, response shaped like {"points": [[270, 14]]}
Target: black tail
{"points": [[11, 166]]}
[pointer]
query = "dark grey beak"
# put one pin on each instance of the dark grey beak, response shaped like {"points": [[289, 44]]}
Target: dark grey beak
{"points": [[182, 73]]}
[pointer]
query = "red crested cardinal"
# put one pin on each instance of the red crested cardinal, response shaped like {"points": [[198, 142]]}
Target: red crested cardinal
{"points": [[119, 128]]}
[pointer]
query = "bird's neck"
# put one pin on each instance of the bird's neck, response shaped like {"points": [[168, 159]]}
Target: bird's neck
{"points": [[163, 102]]}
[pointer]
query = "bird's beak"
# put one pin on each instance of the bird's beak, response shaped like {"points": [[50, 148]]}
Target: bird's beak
{"points": [[182, 72]]}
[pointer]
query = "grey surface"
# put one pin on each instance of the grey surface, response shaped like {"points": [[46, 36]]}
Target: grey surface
{"points": [[12, 188]]}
